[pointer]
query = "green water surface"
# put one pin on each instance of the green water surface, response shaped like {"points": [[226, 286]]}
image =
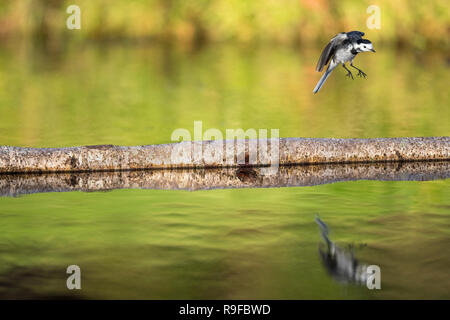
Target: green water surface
{"points": [[220, 244]]}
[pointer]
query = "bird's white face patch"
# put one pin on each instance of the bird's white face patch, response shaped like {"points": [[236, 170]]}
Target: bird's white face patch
{"points": [[363, 47]]}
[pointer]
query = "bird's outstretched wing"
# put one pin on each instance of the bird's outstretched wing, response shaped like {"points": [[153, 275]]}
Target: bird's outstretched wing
{"points": [[330, 49]]}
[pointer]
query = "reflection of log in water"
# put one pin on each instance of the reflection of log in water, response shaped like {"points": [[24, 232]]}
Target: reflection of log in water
{"points": [[201, 179]]}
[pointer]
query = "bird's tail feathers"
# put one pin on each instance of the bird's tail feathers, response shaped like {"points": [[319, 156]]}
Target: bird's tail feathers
{"points": [[323, 79]]}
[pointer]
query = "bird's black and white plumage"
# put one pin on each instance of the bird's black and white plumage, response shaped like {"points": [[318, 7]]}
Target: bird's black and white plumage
{"points": [[341, 49]]}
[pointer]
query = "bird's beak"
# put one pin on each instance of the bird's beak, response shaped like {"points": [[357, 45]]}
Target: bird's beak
{"points": [[372, 50]]}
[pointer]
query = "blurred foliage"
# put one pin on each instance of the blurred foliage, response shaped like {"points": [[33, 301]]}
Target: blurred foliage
{"points": [[407, 22]]}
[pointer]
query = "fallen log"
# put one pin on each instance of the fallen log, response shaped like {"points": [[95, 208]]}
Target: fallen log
{"points": [[221, 154]]}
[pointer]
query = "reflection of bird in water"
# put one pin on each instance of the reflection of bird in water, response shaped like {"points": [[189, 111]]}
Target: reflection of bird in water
{"points": [[340, 263]]}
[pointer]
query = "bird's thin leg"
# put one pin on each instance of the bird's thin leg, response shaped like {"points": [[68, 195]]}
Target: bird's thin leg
{"points": [[349, 74], [360, 72]]}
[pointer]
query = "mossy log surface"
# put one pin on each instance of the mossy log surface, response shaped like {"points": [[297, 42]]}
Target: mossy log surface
{"points": [[204, 154]]}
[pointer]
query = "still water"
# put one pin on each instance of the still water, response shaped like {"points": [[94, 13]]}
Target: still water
{"points": [[248, 243]]}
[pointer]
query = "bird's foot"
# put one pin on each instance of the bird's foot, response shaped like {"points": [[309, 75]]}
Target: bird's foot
{"points": [[362, 74], [350, 75]]}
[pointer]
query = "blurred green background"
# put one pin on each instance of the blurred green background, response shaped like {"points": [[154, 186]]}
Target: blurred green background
{"points": [[134, 95], [137, 70]]}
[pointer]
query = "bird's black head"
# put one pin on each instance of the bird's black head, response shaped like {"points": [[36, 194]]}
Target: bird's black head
{"points": [[363, 45]]}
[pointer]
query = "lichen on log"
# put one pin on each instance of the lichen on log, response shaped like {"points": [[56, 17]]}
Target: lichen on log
{"points": [[204, 154]]}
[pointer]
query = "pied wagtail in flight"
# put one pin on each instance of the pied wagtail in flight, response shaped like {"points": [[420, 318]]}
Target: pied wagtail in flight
{"points": [[342, 48]]}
